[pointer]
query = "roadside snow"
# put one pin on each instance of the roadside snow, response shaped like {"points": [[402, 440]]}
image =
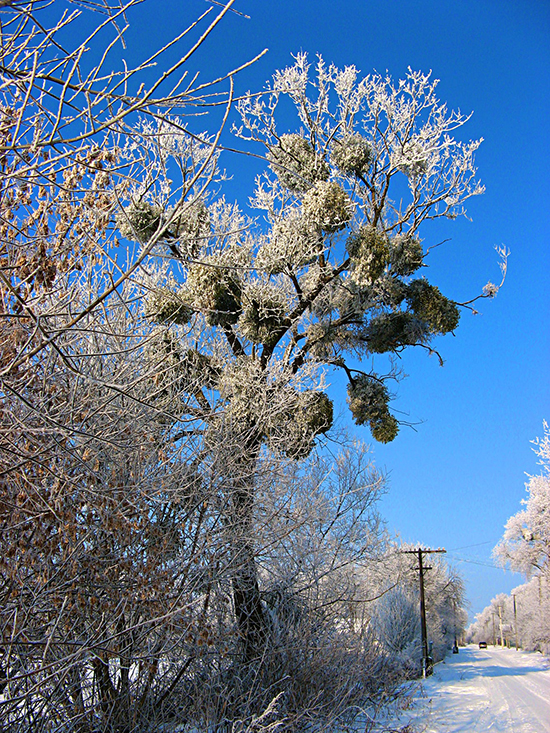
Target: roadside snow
{"points": [[484, 691]]}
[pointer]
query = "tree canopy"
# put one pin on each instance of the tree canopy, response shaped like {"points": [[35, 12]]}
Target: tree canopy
{"points": [[329, 274], [525, 545]]}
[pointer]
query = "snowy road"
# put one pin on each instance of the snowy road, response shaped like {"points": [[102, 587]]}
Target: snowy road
{"points": [[486, 691]]}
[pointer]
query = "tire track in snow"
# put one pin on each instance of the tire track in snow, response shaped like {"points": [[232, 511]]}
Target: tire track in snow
{"points": [[486, 691]]}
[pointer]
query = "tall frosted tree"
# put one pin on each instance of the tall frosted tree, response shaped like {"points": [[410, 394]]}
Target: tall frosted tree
{"points": [[250, 313], [525, 545]]}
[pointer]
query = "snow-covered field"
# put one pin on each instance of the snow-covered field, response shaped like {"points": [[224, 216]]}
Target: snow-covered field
{"points": [[484, 691]]}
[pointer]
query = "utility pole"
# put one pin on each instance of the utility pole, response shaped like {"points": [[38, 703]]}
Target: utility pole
{"points": [[426, 667], [500, 625], [515, 620]]}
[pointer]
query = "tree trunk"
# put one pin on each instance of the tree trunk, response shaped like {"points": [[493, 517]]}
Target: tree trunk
{"points": [[249, 612]]}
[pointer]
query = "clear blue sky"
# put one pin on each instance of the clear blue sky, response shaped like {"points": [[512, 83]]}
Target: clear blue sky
{"points": [[461, 474]]}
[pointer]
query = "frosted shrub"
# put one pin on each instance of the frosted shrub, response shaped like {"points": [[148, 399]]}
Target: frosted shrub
{"points": [[328, 206]]}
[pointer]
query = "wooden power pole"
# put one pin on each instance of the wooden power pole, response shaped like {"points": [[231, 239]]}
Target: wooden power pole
{"points": [[419, 552], [515, 621]]}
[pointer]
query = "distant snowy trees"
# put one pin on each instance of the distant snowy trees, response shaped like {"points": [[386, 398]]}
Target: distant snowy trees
{"points": [[520, 618], [525, 548]]}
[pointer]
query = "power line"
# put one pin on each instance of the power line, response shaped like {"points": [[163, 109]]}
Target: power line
{"points": [[476, 562], [467, 547]]}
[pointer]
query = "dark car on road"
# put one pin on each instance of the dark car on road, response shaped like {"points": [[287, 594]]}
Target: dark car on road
{"points": [[483, 645]]}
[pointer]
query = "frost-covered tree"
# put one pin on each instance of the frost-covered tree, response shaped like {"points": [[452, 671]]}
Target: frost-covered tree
{"points": [[524, 616], [525, 546], [252, 313], [487, 624], [530, 622], [97, 505]]}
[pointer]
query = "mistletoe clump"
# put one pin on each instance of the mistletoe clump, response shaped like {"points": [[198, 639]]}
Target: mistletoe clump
{"points": [[294, 242], [328, 206], [389, 291], [406, 254], [264, 308], [315, 412], [352, 155], [370, 254], [192, 227], [321, 339], [242, 386], [310, 415], [199, 369], [139, 221], [165, 306], [296, 163], [368, 401], [428, 303], [392, 331], [214, 290]]}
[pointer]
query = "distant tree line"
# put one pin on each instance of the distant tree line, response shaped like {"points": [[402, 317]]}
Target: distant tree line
{"points": [[522, 618]]}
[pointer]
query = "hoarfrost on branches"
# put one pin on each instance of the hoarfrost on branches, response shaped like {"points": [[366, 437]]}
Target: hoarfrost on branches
{"points": [[525, 545], [330, 273]]}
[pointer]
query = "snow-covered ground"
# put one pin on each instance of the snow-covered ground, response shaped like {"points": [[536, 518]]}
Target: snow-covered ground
{"points": [[484, 691]]}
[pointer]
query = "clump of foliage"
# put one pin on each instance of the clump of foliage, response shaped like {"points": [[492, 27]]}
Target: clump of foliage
{"points": [[214, 290], [369, 252], [352, 155], [328, 206], [297, 164], [368, 402], [166, 306], [439, 313], [139, 221]]}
